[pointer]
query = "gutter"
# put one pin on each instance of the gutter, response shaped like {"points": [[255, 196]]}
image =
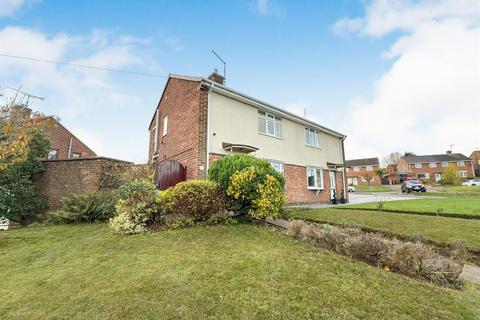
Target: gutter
{"points": [[263, 105], [344, 172], [207, 165]]}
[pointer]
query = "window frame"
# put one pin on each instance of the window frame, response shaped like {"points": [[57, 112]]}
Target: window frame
{"points": [[418, 165], [280, 163], [369, 168], [56, 154], [444, 164], [356, 168], [461, 163], [76, 155], [316, 170], [432, 164], [274, 120], [463, 174], [312, 133]]}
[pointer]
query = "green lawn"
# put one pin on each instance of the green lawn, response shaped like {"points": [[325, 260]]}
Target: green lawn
{"points": [[460, 206], [453, 191], [438, 229], [236, 272], [372, 188]]}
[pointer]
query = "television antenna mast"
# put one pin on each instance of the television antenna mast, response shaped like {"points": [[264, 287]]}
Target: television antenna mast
{"points": [[224, 65], [25, 94]]}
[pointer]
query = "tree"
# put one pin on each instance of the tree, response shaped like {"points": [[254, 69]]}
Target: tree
{"points": [[368, 177], [22, 146], [392, 158], [380, 172], [451, 175]]}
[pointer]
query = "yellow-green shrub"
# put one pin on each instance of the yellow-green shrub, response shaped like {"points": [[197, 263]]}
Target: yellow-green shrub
{"points": [[260, 195]]}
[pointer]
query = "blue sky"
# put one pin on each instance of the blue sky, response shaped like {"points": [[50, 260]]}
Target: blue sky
{"points": [[330, 57]]}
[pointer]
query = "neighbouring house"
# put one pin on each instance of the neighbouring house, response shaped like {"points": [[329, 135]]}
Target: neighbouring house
{"points": [[362, 171], [431, 167], [393, 176], [475, 156], [63, 144], [199, 120]]}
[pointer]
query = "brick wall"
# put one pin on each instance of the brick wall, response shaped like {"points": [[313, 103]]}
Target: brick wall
{"points": [[296, 190], [439, 169], [64, 177], [60, 141], [185, 104], [475, 156]]}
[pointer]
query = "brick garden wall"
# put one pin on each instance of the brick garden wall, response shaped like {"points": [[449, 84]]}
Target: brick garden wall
{"points": [[64, 177]]}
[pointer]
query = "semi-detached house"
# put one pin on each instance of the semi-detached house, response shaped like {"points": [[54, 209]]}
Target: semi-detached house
{"points": [[199, 120]]}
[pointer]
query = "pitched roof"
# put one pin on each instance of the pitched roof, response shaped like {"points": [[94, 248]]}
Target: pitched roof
{"points": [[222, 89], [362, 162], [436, 157]]}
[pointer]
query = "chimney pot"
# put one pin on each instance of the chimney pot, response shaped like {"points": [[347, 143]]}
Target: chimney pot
{"points": [[215, 77]]}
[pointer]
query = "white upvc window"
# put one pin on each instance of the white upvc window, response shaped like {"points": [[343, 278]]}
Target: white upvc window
{"points": [[433, 164], [423, 175], [314, 178], [269, 124], [460, 163], [52, 154], [312, 137], [347, 169], [277, 165], [356, 169], [478, 161], [418, 165], [165, 126], [463, 174], [444, 164], [369, 168]]}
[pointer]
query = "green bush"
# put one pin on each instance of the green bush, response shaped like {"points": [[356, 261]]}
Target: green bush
{"points": [[256, 194], [198, 200], [222, 169], [242, 201], [85, 207], [136, 209]]}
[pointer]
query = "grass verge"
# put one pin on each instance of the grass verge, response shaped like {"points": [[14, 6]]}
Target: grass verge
{"points": [[439, 230], [239, 271], [468, 208]]}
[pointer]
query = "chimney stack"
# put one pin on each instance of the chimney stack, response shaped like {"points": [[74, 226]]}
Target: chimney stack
{"points": [[215, 77], [449, 151]]}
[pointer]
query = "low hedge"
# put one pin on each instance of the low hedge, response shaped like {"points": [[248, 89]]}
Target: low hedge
{"points": [[424, 213]]}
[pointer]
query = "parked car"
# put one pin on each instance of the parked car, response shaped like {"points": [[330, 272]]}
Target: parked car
{"points": [[472, 182], [351, 189], [410, 185]]}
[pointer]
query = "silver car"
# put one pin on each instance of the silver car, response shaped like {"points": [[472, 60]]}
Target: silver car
{"points": [[472, 182]]}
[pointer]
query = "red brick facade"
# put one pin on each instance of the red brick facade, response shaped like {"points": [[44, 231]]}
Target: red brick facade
{"points": [[475, 156], [426, 172], [65, 143], [184, 102], [359, 177]]}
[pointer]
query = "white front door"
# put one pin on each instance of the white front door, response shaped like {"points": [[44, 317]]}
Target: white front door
{"points": [[438, 177], [332, 182]]}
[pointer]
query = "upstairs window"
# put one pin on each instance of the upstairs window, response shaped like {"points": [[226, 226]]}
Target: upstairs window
{"points": [[461, 163], [269, 124], [369, 168], [433, 164], [312, 137], [444, 164], [52, 154], [76, 155], [356, 169], [418, 165], [314, 178]]}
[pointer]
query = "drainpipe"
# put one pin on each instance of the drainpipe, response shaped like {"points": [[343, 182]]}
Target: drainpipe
{"points": [[345, 189], [69, 155], [210, 87]]}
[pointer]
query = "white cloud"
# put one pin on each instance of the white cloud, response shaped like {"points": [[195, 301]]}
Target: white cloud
{"points": [[9, 7], [174, 43], [75, 92], [267, 7], [430, 97]]}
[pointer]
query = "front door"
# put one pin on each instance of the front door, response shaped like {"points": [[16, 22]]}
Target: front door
{"points": [[332, 182], [438, 177]]}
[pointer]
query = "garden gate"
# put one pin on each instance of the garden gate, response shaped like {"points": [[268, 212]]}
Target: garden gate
{"points": [[168, 173]]}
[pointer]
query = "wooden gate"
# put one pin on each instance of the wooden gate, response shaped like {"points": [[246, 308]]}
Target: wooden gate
{"points": [[169, 173]]}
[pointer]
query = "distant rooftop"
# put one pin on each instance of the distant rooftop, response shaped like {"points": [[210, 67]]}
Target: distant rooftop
{"points": [[362, 162], [436, 157]]}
